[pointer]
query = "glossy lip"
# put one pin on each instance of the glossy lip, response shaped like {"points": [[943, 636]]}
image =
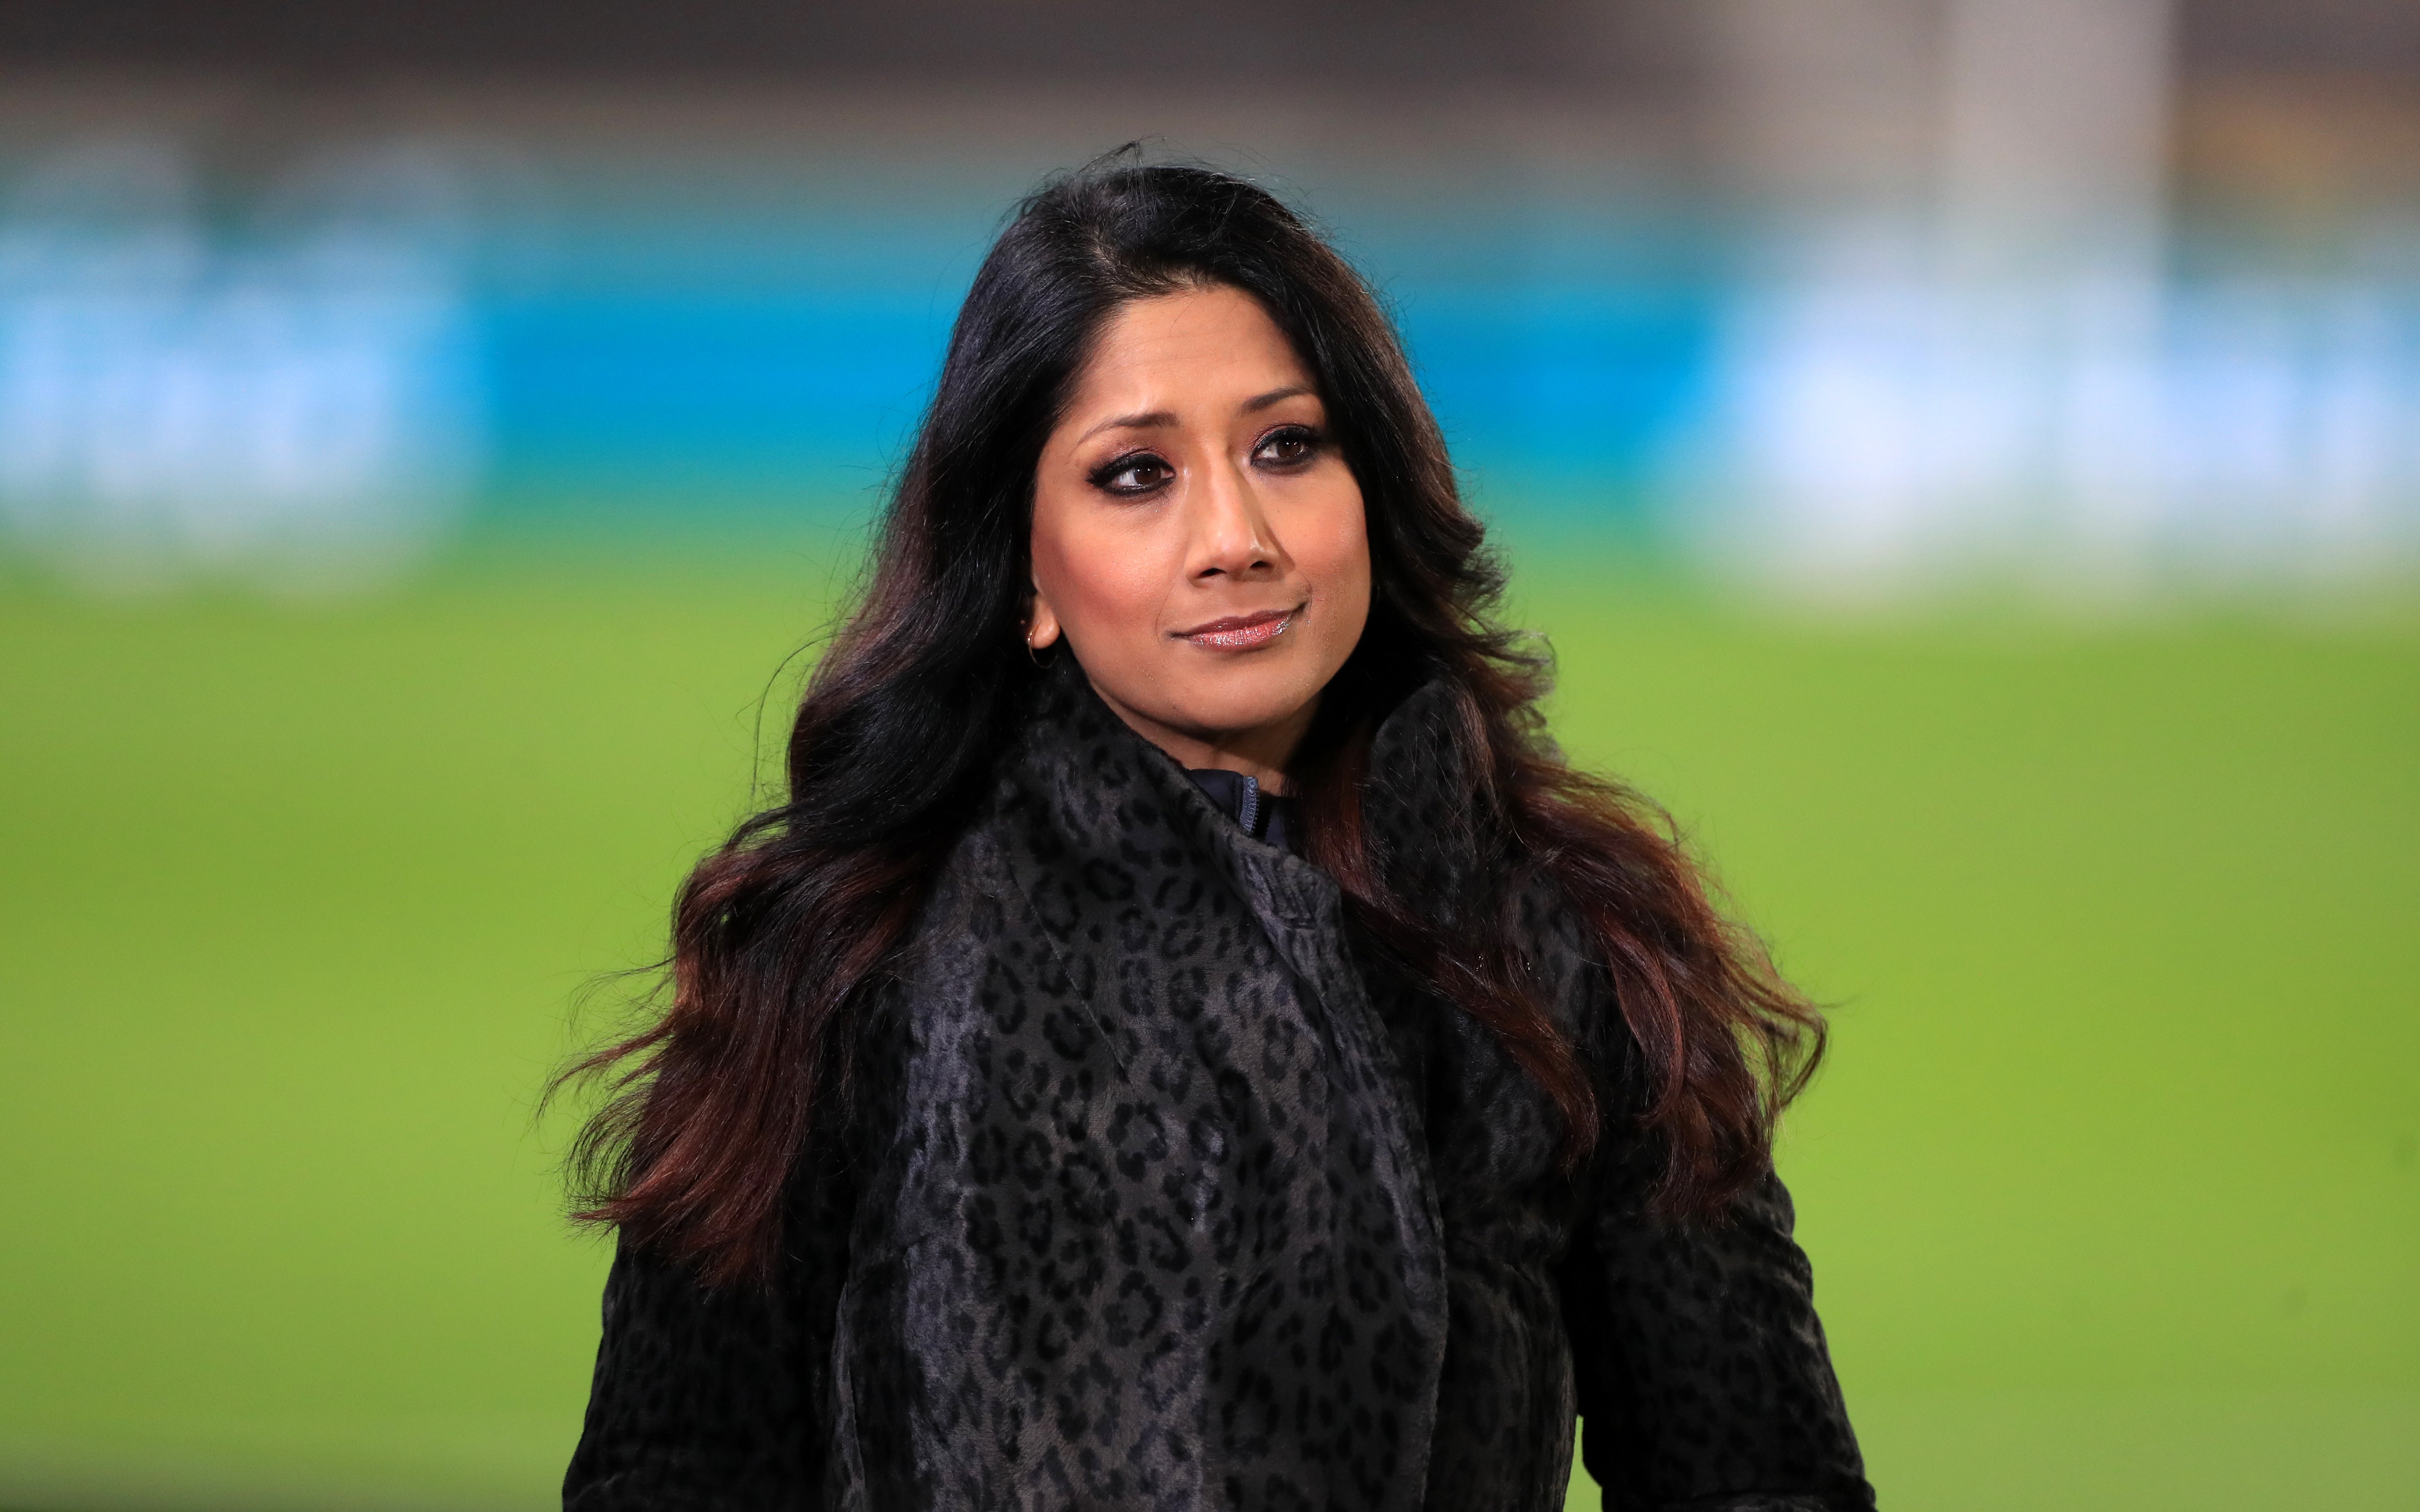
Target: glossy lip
{"points": [[1242, 632]]}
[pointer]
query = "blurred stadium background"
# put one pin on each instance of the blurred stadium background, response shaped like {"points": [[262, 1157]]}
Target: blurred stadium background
{"points": [[1966, 452]]}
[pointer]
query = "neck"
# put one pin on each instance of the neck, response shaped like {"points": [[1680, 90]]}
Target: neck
{"points": [[1260, 753]]}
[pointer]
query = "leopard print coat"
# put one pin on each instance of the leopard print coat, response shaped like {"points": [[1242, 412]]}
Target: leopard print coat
{"points": [[1160, 1192]]}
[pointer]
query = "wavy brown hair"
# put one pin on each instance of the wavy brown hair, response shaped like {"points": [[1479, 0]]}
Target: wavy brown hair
{"points": [[782, 936]]}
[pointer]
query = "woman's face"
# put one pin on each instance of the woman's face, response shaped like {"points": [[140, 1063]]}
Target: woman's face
{"points": [[1197, 537]]}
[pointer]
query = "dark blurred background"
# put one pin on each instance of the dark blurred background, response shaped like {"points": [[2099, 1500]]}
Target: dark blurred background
{"points": [[1866, 294], [1966, 454]]}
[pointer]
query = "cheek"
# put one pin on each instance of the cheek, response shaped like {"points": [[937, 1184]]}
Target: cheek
{"points": [[1336, 557], [1098, 578]]}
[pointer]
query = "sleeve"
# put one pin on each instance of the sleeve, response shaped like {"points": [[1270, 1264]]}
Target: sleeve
{"points": [[716, 1398], [1702, 1378]]}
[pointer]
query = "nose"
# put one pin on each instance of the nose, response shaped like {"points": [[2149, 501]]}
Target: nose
{"points": [[1232, 533]]}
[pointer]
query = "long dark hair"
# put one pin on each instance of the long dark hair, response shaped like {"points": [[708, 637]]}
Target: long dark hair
{"points": [[779, 937]]}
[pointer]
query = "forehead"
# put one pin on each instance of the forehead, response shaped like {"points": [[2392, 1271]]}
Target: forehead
{"points": [[1201, 345]]}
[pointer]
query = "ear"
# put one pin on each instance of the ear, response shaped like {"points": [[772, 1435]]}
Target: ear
{"points": [[1042, 625]]}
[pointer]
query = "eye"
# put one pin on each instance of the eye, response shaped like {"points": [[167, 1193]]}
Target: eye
{"points": [[1137, 472], [1288, 446]]}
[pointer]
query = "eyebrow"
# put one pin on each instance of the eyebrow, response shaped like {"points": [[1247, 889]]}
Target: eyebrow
{"points": [[1161, 419], [1275, 395], [1148, 420]]}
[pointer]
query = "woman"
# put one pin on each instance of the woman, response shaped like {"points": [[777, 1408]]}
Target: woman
{"points": [[1189, 1041]]}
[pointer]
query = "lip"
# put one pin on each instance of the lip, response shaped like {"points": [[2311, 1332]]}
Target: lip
{"points": [[1242, 632]]}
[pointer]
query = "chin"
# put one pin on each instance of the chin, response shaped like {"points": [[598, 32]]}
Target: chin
{"points": [[1246, 702]]}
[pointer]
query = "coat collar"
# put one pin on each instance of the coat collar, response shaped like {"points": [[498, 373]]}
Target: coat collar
{"points": [[1106, 788], [1417, 800]]}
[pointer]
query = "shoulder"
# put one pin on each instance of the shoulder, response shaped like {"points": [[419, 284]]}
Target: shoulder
{"points": [[1565, 957], [1420, 808]]}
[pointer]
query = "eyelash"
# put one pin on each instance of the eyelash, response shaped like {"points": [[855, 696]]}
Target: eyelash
{"points": [[1106, 476], [1313, 442]]}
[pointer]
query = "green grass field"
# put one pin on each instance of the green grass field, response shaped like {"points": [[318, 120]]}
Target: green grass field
{"points": [[2113, 1184]]}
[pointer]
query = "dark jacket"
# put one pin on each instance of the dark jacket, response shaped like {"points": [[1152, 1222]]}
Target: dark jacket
{"points": [[1163, 1191]]}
